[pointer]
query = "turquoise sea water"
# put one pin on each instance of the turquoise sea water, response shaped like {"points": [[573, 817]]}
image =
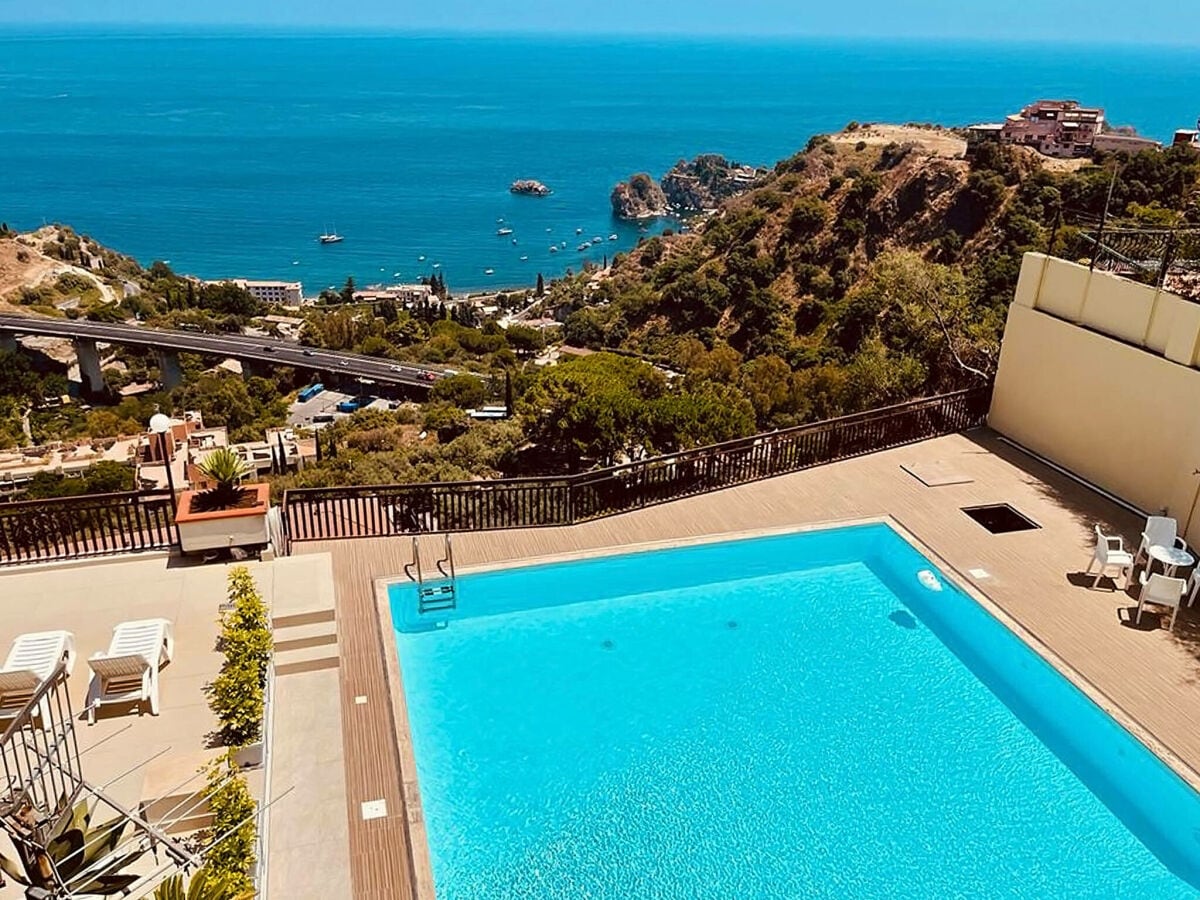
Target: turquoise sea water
{"points": [[227, 153], [774, 718]]}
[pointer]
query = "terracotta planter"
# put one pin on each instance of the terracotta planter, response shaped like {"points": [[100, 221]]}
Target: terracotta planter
{"points": [[220, 529]]}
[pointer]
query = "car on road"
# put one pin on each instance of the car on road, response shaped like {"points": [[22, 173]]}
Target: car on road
{"points": [[396, 368], [428, 376], [268, 348], [308, 353]]}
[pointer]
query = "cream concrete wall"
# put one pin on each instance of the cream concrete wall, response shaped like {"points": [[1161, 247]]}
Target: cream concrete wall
{"points": [[1121, 416], [1127, 310]]}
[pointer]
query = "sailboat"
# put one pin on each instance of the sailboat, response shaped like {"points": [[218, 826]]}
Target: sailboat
{"points": [[331, 237]]}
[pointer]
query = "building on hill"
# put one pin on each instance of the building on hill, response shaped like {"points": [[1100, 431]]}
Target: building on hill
{"points": [[288, 293], [1187, 137], [1058, 128], [406, 295]]}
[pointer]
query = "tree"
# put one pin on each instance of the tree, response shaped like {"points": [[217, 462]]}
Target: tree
{"points": [[540, 290], [524, 340], [462, 391], [347, 292]]}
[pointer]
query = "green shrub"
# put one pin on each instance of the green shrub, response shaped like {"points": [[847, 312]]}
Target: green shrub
{"points": [[236, 694], [233, 824]]}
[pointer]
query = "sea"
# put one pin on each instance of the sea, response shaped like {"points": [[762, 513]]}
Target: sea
{"points": [[226, 153]]}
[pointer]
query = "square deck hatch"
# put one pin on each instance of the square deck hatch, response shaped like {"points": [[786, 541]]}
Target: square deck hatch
{"points": [[1000, 518]]}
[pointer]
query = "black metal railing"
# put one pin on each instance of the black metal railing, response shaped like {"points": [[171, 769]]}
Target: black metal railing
{"points": [[311, 514], [87, 525]]}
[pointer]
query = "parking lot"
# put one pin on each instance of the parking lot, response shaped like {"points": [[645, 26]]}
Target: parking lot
{"points": [[325, 404]]}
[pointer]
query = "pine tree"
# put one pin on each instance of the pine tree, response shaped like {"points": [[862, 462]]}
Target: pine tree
{"points": [[348, 290], [541, 285]]}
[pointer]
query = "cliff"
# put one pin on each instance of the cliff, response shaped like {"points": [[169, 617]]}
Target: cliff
{"points": [[639, 198], [689, 187], [706, 181]]}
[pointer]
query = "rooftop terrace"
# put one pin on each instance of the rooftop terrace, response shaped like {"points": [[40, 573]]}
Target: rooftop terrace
{"points": [[348, 821]]}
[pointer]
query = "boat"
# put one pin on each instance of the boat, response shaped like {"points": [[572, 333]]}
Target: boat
{"points": [[563, 245], [420, 259], [586, 245], [612, 237], [524, 258], [330, 237], [597, 240], [295, 262], [579, 231], [395, 274], [553, 248], [500, 221], [489, 271], [437, 265], [503, 231]]}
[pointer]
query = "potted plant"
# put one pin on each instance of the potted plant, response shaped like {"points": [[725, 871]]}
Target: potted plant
{"points": [[237, 694], [226, 514]]}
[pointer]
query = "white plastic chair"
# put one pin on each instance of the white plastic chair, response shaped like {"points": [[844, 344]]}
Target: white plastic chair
{"points": [[128, 672], [1193, 586], [1160, 531], [1161, 591], [1106, 554], [32, 659]]}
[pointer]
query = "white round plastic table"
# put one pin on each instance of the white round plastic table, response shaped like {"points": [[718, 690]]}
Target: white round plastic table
{"points": [[1171, 558]]}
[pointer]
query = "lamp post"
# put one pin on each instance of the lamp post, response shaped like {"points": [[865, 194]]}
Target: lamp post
{"points": [[160, 424]]}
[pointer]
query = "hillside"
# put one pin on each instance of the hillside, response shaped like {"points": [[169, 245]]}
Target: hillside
{"points": [[864, 269], [51, 271]]}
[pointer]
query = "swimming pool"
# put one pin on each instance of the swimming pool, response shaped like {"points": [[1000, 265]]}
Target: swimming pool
{"points": [[800, 715]]}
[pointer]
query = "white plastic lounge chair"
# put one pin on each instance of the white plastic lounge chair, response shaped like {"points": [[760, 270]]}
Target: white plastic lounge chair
{"points": [[1193, 586], [128, 672], [1161, 591], [1110, 551], [32, 659], [1160, 531]]}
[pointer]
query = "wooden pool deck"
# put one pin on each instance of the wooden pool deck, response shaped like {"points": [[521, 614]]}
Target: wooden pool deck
{"points": [[1146, 676]]}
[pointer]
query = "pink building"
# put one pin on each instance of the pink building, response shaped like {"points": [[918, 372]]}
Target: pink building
{"points": [[1060, 128]]}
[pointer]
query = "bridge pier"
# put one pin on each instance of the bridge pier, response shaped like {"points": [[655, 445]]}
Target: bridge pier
{"points": [[89, 366], [170, 375], [8, 341]]}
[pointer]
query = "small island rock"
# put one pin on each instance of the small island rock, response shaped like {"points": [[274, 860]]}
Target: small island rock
{"points": [[531, 187]]}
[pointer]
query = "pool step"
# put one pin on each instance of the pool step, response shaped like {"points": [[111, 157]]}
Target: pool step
{"points": [[436, 597]]}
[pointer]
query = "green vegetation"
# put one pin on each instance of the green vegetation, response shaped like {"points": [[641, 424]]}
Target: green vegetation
{"points": [[236, 694], [231, 838], [852, 276], [76, 847], [204, 885]]}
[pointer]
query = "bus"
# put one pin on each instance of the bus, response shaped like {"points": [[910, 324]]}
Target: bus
{"points": [[309, 392]]}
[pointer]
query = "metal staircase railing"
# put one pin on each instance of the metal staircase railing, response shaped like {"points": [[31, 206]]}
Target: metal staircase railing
{"points": [[44, 787]]}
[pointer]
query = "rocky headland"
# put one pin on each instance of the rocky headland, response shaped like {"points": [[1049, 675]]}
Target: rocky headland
{"points": [[688, 188]]}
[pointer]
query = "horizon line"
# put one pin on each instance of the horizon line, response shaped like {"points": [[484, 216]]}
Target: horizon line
{"points": [[236, 29]]}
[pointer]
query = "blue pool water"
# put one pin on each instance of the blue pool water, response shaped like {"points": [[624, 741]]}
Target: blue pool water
{"points": [[791, 716]]}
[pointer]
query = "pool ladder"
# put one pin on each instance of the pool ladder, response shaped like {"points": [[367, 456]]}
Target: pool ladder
{"points": [[438, 595]]}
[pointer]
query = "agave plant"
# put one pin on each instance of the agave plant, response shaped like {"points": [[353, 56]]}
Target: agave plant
{"points": [[226, 470], [76, 853], [204, 885]]}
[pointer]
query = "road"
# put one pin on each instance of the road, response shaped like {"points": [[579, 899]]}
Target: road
{"points": [[267, 350]]}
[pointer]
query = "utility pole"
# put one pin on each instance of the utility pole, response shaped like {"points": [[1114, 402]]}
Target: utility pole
{"points": [[1103, 219]]}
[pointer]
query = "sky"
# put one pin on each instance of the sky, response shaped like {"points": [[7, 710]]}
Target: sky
{"points": [[1100, 21]]}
